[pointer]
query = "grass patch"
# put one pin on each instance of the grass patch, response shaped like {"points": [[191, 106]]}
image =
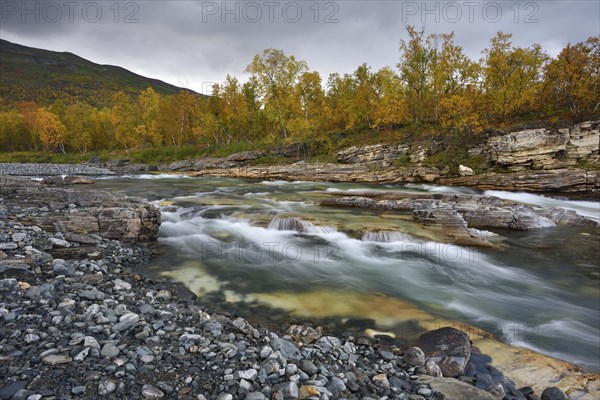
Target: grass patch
{"points": [[454, 157], [402, 161], [271, 160], [232, 148], [164, 154]]}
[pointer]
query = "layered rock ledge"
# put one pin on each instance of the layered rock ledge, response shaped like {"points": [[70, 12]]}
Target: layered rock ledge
{"points": [[80, 216]]}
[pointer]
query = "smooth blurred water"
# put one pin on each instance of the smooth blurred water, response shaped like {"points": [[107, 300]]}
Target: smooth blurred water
{"points": [[539, 290]]}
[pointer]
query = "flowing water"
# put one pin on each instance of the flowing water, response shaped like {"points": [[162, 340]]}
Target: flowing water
{"points": [[269, 243]]}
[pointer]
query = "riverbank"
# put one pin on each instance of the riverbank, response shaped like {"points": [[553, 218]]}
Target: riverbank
{"points": [[80, 321], [563, 162], [547, 160]]}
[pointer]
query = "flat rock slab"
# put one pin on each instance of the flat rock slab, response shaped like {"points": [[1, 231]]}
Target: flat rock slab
{"points": [[453, 389]]}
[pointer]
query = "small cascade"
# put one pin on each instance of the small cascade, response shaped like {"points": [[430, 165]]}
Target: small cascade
{"points": [[480, 233], [298, 225], [385, 237]]}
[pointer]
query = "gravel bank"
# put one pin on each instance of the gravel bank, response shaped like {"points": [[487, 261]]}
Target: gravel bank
{"points": [[18, 169]]}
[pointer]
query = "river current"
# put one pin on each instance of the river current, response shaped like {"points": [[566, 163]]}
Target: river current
{"points": [[270, 243]]}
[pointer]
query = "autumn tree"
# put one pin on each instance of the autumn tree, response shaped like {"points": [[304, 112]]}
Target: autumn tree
{"points": [[572, 79], [338, 100], [12, 131], [125, 119], [28, 111], [277, 75], [512, 77], [148, 128], [102, 128], [51, 131], [309, 105], [415, 58], [390, 107], [79, 126]]}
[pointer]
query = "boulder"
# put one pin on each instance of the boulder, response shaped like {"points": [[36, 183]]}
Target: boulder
{"points": [[568, 217], [52, 180], [447, 347], [465, 171], [78, 180]]}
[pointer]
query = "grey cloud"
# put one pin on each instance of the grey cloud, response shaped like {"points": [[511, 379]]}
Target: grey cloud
{"points": [[179, 42]]}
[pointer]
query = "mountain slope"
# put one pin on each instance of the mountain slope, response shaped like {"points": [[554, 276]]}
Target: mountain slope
{"points": [[27, 73]]}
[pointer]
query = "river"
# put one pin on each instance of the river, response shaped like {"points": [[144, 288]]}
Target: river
{"points": [[268, 243]]}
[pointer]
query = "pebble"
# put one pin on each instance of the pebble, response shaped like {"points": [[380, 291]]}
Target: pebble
{"points": [[414, 356], [109, 350], [125, 322], [57, 359], [60, 242], [78, 390], [19, 237], [62, 269], [10, 390], [106, 387], [287, 349], [553, 393], [433, 369], [152, 393]]}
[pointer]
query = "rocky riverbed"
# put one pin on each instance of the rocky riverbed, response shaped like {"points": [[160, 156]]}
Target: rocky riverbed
{"points": [[84, 324]]}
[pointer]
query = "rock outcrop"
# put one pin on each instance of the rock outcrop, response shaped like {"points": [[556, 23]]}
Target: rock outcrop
{"points": [[79, 214], [572, 181], [321, 172], [545, 148], [383, 154]]}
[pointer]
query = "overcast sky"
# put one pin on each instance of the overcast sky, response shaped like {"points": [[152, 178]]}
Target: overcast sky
{"points": [[195, 43]]}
